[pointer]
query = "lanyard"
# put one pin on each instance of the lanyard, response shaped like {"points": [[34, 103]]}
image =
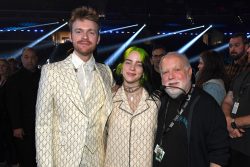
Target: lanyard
{"points": [[243, 86], [238, 94], [171, 124]]}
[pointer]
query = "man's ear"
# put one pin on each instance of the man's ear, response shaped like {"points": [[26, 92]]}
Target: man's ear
{"points": [[70, 37], [151, 61], [98, 40], [190, 70]]}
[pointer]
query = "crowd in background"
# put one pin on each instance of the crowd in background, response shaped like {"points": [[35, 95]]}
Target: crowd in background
{"points": [[227, 84]]}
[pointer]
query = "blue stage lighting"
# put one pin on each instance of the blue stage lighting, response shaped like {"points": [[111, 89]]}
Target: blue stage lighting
{"points": [[120, 28], [18, 52], [194, 59], [190, 43], [105, 49], [26, 27], [218, 49], [117, 53]]}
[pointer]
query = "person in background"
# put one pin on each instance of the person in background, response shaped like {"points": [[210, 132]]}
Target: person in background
{"points": [[14, 65], [238, 45], [4, 73], [131, 126], [21, 93], [212, 75], [248, 52], [157, 52], [236, 109], [191, 125], [74, 101]]}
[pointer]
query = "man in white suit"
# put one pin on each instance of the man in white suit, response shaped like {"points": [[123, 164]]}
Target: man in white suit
{"points": [[74, 101]]}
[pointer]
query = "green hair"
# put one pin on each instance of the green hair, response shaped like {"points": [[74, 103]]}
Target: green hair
{"points": [[143, 55]]}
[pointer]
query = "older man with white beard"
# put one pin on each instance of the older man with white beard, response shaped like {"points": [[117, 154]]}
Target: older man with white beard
{"points": [[191, 125]]}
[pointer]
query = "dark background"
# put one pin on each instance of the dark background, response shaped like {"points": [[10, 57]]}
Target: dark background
{"points": [[159, 15]]}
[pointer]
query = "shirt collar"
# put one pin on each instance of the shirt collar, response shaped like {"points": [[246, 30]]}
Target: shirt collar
{"points": [[77, 62]]}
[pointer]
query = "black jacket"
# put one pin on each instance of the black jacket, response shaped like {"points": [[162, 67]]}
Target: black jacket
{"points": [[207, 134], [21, 99]]}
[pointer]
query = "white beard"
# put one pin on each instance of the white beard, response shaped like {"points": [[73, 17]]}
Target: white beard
{"points": [[173, 92]]}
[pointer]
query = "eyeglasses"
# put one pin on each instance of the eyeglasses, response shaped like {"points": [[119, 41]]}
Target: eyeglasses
{"points": [[157, 56]]}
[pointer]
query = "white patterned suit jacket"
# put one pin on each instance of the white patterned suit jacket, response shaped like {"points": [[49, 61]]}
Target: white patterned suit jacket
{"points": [[66, 133]]}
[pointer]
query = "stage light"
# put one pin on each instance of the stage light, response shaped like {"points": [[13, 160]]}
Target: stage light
{"points": [[118, 52], [190, 43], [120, 28], [218, 49], [26, 27], [109, 48], [194, 59], [164, 35], [18, 52]]}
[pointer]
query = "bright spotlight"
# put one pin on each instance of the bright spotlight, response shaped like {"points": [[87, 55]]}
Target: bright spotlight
{"points": [[189, 44], [117, 53], [105, 49], [120, 28], [218, 49], [18, 52], [163, 35], [27, 27], [194, 59]]}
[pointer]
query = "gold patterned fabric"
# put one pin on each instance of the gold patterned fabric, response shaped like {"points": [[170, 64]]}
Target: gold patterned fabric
{"points": [[131, 134], [68, 131]]}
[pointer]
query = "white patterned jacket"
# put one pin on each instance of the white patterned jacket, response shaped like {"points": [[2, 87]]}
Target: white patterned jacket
{"points": [[66, 133]]}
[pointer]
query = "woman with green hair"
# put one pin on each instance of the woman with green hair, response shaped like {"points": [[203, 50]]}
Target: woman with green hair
{"points": [[132, 124]]}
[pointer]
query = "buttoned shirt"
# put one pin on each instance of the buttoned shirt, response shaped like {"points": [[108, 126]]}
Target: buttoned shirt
{"points": [[84, 72]]}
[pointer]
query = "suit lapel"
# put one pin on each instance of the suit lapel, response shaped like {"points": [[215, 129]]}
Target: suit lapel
{"points": [[106, 85], [71, 85], [103, 78]]}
